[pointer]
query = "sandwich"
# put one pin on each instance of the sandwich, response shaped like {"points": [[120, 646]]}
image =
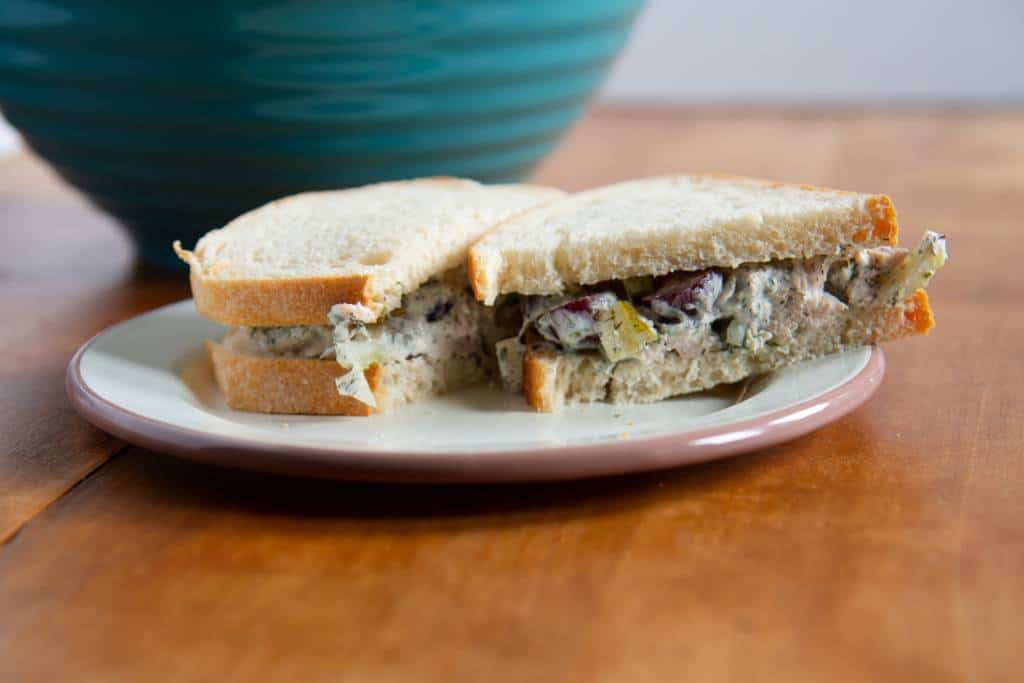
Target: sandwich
{"points": [[354, 301], [644, 290]]}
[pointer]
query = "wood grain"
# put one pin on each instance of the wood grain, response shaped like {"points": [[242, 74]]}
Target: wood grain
{"points": [[66, 273], [887, 546]]}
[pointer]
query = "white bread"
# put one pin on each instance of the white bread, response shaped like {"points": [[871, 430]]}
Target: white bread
{"points": [[659, 225], [301, 386], [552, 379], [286, 263]]}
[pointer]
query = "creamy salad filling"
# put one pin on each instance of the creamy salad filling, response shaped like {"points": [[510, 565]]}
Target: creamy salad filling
{"points": [[312, 341], [749, 307], [439, 320]]}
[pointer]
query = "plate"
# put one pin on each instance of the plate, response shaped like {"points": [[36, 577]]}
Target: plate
{"points": [[148, 382]]}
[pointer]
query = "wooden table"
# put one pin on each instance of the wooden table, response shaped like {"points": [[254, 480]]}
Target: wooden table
{"points": [[887, 546]]}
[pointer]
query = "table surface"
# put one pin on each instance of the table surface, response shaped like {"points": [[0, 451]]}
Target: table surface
{"points": [[886, 546]]}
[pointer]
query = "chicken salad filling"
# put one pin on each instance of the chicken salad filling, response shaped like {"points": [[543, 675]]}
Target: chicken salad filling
{"points": [[748, 307], [439, 320], [307, 341]]}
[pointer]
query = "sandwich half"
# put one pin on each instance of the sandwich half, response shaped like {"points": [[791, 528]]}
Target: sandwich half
{"points": [[354, 301], [653, 288]]}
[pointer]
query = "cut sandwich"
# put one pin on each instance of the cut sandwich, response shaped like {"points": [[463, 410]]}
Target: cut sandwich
{"points": [[653, 288], [354, 301]]}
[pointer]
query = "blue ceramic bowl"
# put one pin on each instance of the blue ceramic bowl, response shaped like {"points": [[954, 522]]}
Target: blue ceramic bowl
{"points": [[176, 117]]}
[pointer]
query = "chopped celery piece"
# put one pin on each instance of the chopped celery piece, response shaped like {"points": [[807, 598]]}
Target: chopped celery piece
{"points": [[624, 332], [915, 270]]}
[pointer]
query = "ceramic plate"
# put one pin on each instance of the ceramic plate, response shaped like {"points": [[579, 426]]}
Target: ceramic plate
{"points": [[147, 381]]}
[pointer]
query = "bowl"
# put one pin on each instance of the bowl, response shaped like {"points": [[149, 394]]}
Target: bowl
{"points": [[177, 117]]}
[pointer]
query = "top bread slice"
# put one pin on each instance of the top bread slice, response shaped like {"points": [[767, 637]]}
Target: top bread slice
{"points": [[658, 225], [287, 262]]}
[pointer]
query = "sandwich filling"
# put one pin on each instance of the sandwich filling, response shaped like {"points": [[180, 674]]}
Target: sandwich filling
{"points": [[753, 306], [311, 341], [441, 320]]}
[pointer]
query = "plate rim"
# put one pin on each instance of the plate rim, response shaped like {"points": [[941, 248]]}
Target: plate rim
{"points": [[565, 462]]}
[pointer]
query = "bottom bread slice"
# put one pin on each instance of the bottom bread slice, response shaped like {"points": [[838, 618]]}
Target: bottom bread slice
{"points": [[301, 386], [554, 379]]}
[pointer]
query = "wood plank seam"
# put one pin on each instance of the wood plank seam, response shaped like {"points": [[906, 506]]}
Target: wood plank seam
{"points": [[12, 534]]}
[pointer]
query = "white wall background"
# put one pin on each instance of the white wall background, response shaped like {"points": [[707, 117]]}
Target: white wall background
{"points": [[823, 51]]}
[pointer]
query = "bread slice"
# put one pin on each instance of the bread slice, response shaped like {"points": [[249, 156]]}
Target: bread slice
{"points": [[553, 379], [659, 225], [293, 386], [286, 263], [301, 386]]}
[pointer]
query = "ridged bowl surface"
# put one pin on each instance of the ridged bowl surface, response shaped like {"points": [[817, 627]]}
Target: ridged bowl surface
{"points": [[176, 117]]}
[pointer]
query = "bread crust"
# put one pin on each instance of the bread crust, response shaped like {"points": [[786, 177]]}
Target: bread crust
{"points": [[284, 302], [291, 386], [545, 379], [538, 382], [918, 313], [476, 273], [883, 212]]}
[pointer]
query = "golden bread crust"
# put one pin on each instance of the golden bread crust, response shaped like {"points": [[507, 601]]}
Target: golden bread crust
{"points": [[538, 387], [475, 273], [918, 313], [294, 386], [285, 302]]}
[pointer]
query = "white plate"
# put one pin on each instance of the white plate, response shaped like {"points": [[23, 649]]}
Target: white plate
{"points": [[147, 381]]}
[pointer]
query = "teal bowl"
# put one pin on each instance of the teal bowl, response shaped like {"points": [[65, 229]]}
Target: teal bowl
{"points": [[176, 117]]}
